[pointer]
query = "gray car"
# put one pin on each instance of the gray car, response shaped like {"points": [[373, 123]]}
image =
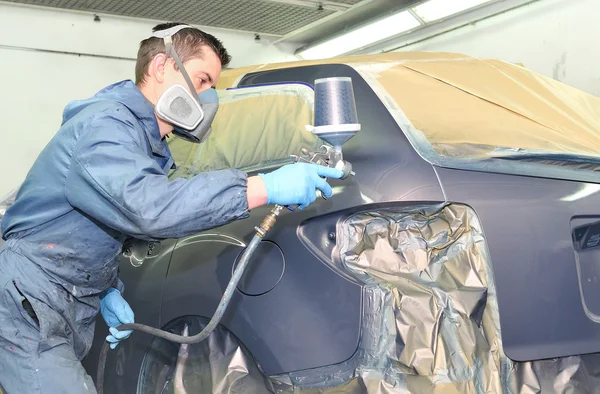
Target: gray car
{"points": [[465, 247]]}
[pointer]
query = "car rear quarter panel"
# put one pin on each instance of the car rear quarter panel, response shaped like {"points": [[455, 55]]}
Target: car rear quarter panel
{"points": [[527, 225]]}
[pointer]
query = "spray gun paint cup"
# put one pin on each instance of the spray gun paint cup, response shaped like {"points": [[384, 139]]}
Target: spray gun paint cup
{"points": [[335, 116]]}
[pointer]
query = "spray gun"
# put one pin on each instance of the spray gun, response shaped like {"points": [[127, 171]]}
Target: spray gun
{"points": [[335, 122]]}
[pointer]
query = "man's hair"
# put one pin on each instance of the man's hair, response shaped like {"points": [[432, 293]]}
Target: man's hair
{"points": [[188, 43]]}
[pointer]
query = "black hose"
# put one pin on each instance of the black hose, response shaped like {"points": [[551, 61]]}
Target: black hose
{"points": [[265, 226], [101, 367]]}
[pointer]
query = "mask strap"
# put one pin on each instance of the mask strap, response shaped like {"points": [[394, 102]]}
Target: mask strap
{"points": [[170, 51]]}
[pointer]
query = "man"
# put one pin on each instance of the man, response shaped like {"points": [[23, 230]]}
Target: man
{"points": [[101, 179]]}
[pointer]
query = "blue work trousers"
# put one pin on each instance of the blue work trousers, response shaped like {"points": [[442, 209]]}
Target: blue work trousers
{"points": [[44, 331]]}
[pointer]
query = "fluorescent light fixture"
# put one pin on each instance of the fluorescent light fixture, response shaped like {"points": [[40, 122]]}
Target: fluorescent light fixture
{"points": [[368, 34], [437, 9]]}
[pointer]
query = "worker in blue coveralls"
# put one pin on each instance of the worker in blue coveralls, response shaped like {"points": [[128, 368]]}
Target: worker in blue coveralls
{"points": [[102, 179]]}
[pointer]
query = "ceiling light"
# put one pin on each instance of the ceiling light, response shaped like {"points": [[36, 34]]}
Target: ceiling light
{"points": [[437, 9], [368, 34]]}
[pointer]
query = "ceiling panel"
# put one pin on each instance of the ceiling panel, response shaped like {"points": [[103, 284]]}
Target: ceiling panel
{"points": [[260, 16], [299, 21]]}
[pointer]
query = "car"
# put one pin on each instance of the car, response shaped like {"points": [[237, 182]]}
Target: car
{"points": [[461, 256]]}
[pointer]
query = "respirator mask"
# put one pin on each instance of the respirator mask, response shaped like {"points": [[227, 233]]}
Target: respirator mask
{"points": [[191, 114]]}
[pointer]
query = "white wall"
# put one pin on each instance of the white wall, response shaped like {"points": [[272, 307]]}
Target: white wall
{"points": [[37, 85], [557, 38]]}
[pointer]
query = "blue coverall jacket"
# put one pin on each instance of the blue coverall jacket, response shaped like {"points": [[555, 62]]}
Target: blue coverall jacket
{"points": [[101, 179]]}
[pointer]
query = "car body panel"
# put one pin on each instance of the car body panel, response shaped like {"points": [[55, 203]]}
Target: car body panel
{"points": [[527, 224], [312, 316], [326, 307]]}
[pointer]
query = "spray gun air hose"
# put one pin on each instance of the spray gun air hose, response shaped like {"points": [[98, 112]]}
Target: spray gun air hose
{"points": [[261, 231]]}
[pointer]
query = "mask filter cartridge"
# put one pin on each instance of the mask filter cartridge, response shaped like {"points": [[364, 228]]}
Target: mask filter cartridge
{"points": [[178, 106]]}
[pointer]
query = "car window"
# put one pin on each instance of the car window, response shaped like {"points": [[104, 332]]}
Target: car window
{"points": [[255, 128]]}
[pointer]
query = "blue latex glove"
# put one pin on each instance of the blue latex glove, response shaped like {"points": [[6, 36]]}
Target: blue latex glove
{"points": [[296, 184], [115, 311]]}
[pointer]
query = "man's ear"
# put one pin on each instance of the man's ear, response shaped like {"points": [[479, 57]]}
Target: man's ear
{"points": [[158, 67]]}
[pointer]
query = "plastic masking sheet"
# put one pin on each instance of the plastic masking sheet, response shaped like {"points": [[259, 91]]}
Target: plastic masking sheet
{"points": [[430, 323], [253, 126], [467, 107]]}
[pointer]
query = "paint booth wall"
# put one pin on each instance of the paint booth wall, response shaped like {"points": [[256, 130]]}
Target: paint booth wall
{"points": [[557, 38], [36, 85]]}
